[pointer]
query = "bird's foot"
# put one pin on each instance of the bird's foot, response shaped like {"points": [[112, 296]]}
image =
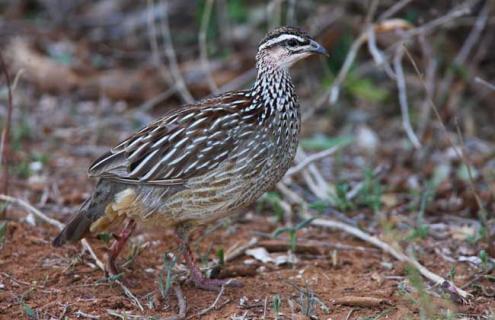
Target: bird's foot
{"points": [[199, 279], [118, 244]]}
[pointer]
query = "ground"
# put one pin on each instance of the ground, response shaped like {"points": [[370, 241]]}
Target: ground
{"points": [[352, 279]]}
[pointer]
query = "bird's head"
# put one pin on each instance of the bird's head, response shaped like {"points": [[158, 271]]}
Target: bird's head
{"points": [[284, 46]]}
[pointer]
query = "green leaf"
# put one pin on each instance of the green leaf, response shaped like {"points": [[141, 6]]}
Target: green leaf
{"points": [[115, 277], [420, 232], [221, 256], [237, 10], [304, 223], [273, 200], [30, 313], [105, 237], [463, 172], [319, 205], [281, 230], [168, 265], [321, 142], [277, 303], [365, 89]]}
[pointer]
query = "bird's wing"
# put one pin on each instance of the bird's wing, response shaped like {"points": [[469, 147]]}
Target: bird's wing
{"points": [[187, 142]]}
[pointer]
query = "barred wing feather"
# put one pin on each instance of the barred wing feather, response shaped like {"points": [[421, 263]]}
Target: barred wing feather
{"points": [[183, 144]]}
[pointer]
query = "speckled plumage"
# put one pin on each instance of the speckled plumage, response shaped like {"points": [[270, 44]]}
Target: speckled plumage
{"points": [[201, 162]]}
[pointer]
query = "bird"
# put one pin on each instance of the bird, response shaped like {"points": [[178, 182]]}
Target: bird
{"points": [[200, 162]]}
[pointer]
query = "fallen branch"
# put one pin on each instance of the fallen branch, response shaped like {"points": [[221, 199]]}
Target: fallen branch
{"points": [[93, 255], [284, 246], [404, 105], [182, 304], [310, 159], [83, 314], [232, 254], [364, 302], [29, 208], [180, 316], [438, 280], [130, 295], [485, 83], [212, 306]]}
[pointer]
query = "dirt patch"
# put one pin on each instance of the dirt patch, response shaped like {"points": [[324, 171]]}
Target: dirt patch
{"points": [[38, 281]]}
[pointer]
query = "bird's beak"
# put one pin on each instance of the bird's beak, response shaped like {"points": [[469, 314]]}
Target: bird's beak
{"points": [[315, 47]]}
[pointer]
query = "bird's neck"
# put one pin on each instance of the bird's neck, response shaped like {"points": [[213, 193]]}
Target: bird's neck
{"points": [[272, 81]]}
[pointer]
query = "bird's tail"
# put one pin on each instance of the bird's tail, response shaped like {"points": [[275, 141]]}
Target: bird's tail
{"points": [[91, 210]]}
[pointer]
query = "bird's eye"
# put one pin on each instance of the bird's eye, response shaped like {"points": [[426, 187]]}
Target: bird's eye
{"points": [[292, 43]]}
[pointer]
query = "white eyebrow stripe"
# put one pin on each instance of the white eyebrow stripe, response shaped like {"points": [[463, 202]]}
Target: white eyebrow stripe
{"points": [[280, 38]]}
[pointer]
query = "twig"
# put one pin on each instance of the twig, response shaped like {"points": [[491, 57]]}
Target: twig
{"points": [[155, 51], [32, 210], [264, 308], [364, 36], [431, 25], [359, 186], [393, 9], [473, 36], [485, 83], [182, 304], [64, 311], [431, 70], [291, 196], [313, 177], [346, 66], [5, 142], [349, 314], [458, 152], [392, 251], [203, 46], [212, 306], [371, 12], [127, 315], [377, 54], [38, 287], [462, 55], [231, 254], [171, 56], [180, 316], [130, 295], [482, 210], [404, 105], [355, 301], [93, 255], [351, 55], [80, 313], [310, 159]]}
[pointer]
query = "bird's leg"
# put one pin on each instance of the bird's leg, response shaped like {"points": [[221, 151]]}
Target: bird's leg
{"points": [[196, 275], [117, 246]]}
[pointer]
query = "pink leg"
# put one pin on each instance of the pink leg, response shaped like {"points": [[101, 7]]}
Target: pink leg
{"points": [[197, 276], [117, 246]]}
